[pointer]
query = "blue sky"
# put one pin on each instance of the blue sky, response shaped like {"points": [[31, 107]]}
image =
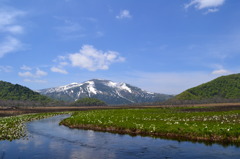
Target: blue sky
{"points": [[159, 45]]}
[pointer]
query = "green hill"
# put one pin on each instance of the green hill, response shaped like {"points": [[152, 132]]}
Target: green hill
{"points": [[225, 87], [16, 92], [89, 102]]}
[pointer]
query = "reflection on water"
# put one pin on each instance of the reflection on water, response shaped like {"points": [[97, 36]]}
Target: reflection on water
{"points": [[49, 140]]}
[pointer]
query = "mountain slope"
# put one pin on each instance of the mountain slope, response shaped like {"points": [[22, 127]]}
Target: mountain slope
{"points": [[225, 87], [10, 91], [105, 90]]}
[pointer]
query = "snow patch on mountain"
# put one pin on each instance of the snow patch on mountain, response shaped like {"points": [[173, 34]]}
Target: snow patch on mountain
{"points": [[91, 88], [64, 88], [121, 86], [125, 87], [124, 97]]}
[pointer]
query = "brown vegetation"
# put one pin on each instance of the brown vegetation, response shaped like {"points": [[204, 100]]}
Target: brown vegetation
{"points": [[12, 111]]}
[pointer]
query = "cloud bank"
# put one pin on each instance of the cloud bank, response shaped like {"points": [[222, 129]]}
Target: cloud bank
{"points": [[210, 5], [92, 59], [9, 27], [89, 58]]}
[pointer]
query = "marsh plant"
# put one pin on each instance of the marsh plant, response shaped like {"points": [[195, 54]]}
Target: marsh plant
{"points": [[165, 122], [14, 127]]}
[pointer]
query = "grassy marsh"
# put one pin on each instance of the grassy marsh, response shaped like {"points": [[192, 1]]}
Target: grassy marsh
{"points": [[12, 128], [175, 123]]}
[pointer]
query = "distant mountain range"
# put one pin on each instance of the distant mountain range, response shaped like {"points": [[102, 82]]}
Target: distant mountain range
{"points": [[105, 90], [225, 88], [222, 88]]}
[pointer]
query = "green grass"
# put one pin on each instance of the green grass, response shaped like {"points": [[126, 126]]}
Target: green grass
{"points": [[165, 122], [12, 128]]}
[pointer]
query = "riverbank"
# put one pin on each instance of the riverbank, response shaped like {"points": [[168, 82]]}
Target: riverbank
{"points": [[13, 127], [208, 124]]}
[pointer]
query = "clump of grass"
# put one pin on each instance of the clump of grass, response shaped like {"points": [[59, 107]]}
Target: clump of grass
{"points": [[164, 122], [12, 128]]}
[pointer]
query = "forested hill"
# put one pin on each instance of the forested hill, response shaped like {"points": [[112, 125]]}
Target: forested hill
{"points": [[16, 92], [89, 102], [225, 87]]}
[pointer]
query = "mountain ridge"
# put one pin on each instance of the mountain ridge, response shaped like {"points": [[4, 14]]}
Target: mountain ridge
{"points": [[105, 90]]}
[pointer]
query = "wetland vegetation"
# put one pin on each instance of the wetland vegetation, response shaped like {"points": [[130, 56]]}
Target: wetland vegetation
{"points": [[12, 128], [196, 123]]}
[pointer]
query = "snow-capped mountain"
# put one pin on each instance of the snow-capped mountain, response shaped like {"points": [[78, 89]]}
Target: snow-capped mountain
{"points": [[105, 90]]}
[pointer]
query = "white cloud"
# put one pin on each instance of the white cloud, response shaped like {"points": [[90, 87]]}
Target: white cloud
{"points": [[26, 74], [211, 5], [212, 10], [10, 44], [8, 16], [59, 70], [124, 14], [221, 72], [92, 59], [6, 68], [61, 63], [8, 20], [16, 29], [60, 59], [26, 68], [33, 76], [38, 74]]}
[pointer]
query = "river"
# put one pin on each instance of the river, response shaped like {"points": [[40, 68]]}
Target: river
{"points": [[49, 140]]}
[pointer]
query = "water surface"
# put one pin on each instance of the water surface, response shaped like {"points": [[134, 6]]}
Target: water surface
{"points": [[49, 140]]}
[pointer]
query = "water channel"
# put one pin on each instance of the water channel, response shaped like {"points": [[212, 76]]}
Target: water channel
{"points": [[49, 140]]}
